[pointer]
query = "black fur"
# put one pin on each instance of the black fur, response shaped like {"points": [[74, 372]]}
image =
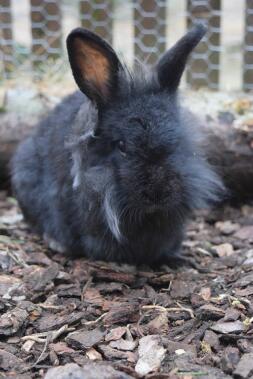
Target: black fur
{"points": [[177, 56], [117, 179]]}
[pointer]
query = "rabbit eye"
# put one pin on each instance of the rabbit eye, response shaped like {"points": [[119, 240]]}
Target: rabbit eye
{"points": [[96, 133], [122, 147]]}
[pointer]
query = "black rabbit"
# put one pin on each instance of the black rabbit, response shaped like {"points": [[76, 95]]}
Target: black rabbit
{"points": [[116, 174]]}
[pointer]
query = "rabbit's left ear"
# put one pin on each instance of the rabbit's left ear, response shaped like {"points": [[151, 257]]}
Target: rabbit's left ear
{"points": [[171, 66], [94, 64]]}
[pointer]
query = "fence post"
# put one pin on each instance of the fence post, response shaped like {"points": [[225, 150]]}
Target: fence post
{"points": [[149, 29], [204, 64], [248, 47], [96, 15], [6, 36], [46, 29]]}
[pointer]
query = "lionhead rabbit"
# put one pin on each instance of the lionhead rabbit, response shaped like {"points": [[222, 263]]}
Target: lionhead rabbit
{"points": [[115, 174]]}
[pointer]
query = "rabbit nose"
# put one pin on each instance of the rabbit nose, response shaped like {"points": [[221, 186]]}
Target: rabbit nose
{"points": [[147, 196]]}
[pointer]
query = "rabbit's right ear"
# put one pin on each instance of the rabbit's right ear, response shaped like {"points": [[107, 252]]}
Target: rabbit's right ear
{"points": [[94, 64]]}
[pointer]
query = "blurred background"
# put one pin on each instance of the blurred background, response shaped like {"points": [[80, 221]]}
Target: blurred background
{"points": [[35, 75], [33, 34]]}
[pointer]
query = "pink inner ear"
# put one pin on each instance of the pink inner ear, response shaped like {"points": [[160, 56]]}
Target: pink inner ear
{"points": [[93, 65]]}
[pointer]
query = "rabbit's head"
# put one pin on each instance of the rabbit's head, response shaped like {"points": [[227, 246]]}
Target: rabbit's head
{"points": [[142, 137]]}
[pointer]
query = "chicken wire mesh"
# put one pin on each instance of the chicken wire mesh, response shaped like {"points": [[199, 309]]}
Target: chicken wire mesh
{"points": [[46, 30], [205, 61], [6, 42], [149, 29], [97, 16], [140, 30]]}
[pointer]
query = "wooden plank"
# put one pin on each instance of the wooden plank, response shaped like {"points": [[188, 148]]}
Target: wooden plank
{"points": [[149, 29], [46, 30], [204, 65], [6, 37], [248, 47], [97, 15]]}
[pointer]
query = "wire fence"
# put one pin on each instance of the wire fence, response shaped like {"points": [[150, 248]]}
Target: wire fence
{"points": [[32, 34]]}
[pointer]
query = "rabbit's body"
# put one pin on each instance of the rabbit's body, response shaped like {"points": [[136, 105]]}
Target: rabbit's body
{"points": [[114, 180]]}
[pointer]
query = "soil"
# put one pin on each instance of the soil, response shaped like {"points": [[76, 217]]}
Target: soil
{"points": [[63, 318]]}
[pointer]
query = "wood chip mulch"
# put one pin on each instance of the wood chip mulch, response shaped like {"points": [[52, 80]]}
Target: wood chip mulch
{"points": [[62, 318]]}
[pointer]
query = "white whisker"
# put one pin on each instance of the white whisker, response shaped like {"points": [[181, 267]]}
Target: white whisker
{"points": [[112, 216]]}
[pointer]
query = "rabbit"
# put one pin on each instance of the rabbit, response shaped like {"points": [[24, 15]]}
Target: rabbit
{"points": [[117, 168]]}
